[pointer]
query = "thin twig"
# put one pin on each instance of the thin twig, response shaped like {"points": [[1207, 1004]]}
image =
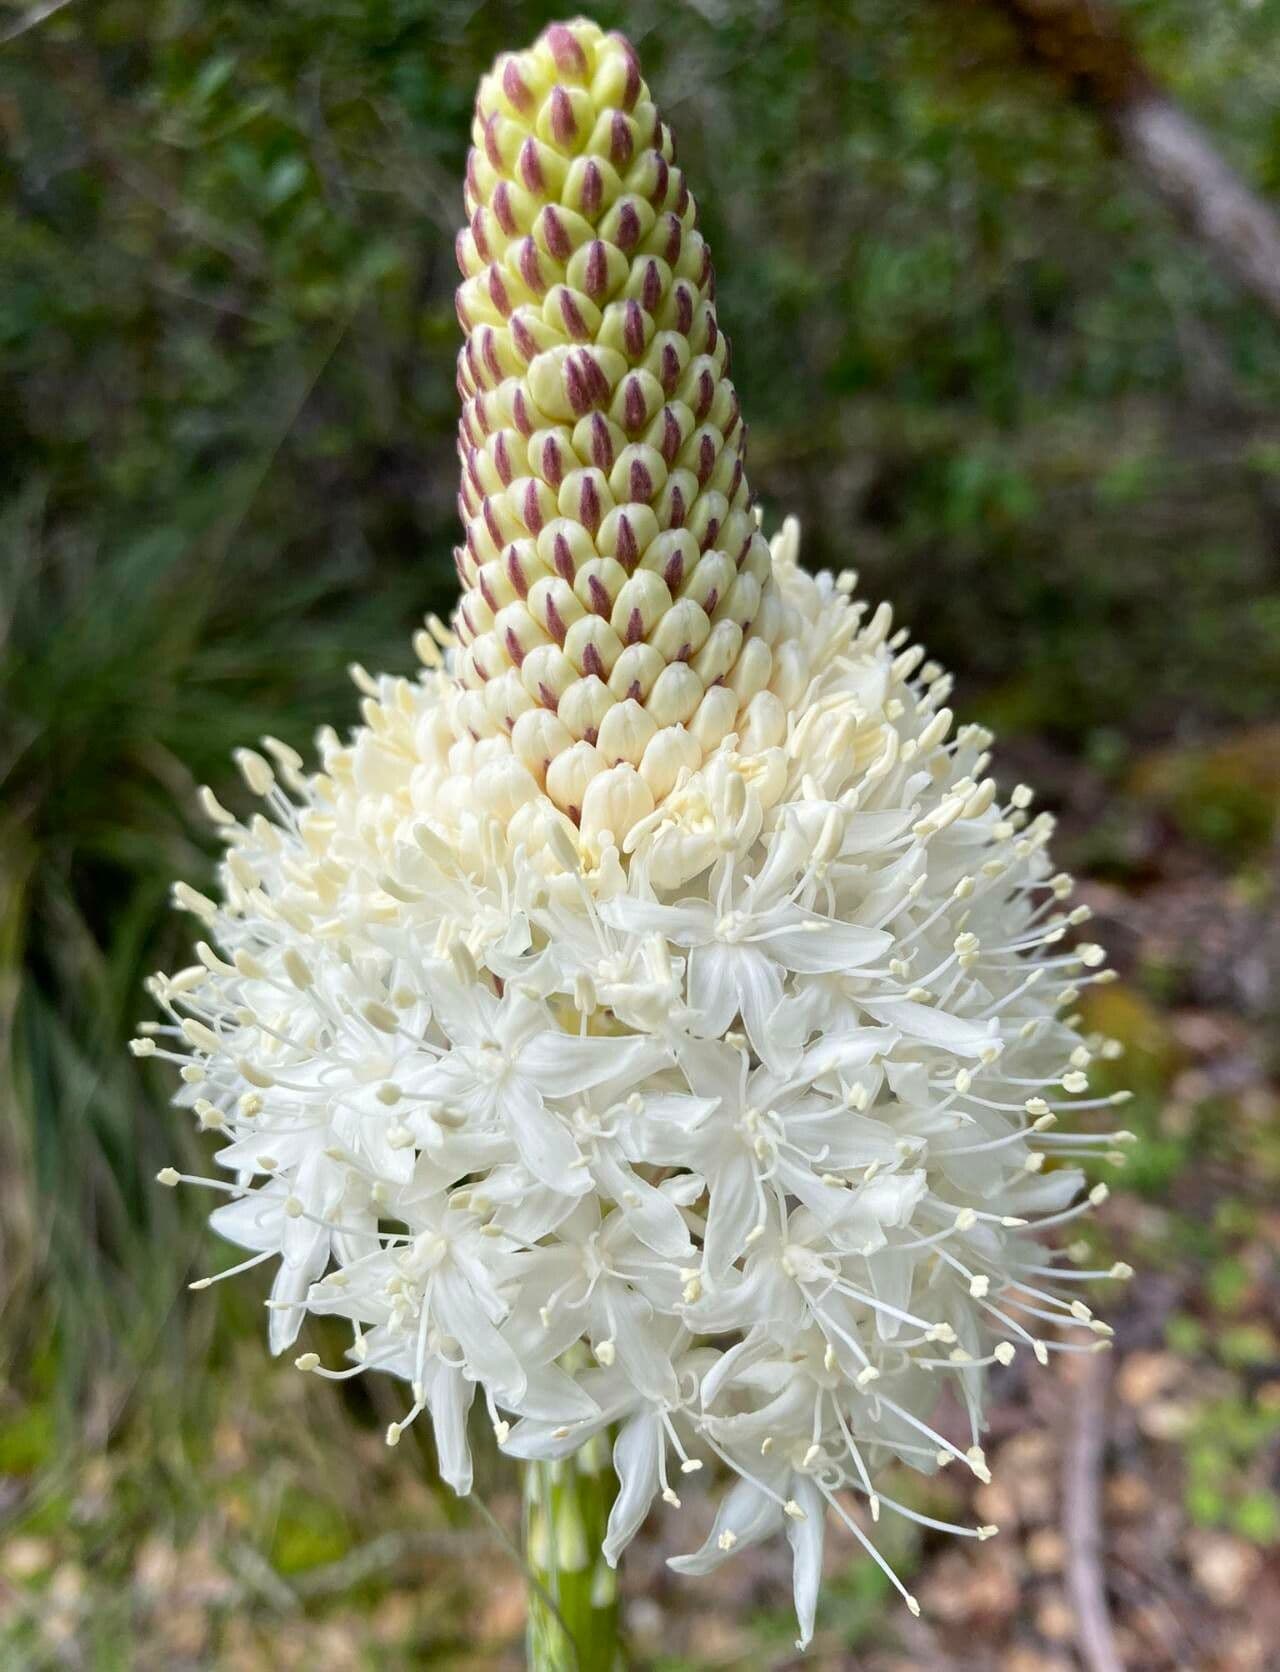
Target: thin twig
{"points": [[32, 19], [1086, 47], [256, 1572], [1082, 1515]]}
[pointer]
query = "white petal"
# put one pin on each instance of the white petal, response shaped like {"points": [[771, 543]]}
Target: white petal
{"points": [[564, 1065], [468, 1014], [534, 1212], [806, 1540], [714, 987], [713, 1069], [547, 1442], [865, 832], [759, 995], [640, 1345], [547, 1147], [687, 924], [934, 1027], [287, 1149], [635, 1460], [449, 1396], [850, 1048], [677, 1107], [290, 1286], [747, 1513], [304, 1242], [891, 1275], [256, 1221], [830, 946], [488, 1356], [731, 1362], [733, 1213], [683, 1189], [653, 1218], [553, 1396]]}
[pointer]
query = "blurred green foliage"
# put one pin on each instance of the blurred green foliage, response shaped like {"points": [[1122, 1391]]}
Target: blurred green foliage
{"points": [[978, 361]]}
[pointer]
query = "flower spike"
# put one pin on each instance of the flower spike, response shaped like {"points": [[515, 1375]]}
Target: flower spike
{"points": [[652, 1017], [616, 585]]}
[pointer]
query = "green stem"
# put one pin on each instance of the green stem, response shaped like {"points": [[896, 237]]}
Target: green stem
{"points": [[566, 1509]]}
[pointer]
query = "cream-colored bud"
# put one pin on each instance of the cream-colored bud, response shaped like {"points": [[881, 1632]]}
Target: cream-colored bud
{"points": [[719, 652], [598, 584], [538, 737], [554, 606], [673, 554], [714, 718], [676, 693], [516, 629], [682, 485], [564, 544], [641, 603], [625, 732], [560, 379], [506, 699], [547, 673], [596, 438], [615, 800], [669, 753], [592, 646], [570, 773], [681, 631], [605, 272], [743, 601], [635, 671], [764, 723], [711, 508], [584, 706], [791, 672], [498, 589], [627, 531], [503, 785], [752, 670]]}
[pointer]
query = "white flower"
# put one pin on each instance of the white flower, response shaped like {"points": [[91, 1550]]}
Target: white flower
{"points": [[775, 1498], [744, 1168], [507, 1060], [654, 1425], [741, 943], [651, 1018]]}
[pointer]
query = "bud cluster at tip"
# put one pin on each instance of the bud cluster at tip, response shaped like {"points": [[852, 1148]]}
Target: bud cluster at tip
{"points": [[618, 613]]}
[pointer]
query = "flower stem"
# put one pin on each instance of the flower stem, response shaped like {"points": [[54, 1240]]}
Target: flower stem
{"points": [[566, 1509]]}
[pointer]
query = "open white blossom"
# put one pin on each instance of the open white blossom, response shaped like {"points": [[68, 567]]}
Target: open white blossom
{"points": [[692, 1082]]}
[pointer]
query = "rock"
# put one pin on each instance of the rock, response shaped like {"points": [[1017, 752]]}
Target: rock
{"points": [[25, 1558], [1046, 1550], [1127, 1495], [1143, 1377], [1223, 1567], [1056, 1618]]}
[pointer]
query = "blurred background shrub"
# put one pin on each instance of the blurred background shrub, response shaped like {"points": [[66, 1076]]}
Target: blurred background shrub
{"points": [[980, 363]]}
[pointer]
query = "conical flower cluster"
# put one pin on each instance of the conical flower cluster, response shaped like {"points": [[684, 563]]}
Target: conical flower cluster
{"points": [[651, 1019], [619, 620]]}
